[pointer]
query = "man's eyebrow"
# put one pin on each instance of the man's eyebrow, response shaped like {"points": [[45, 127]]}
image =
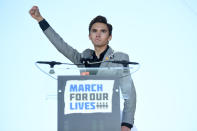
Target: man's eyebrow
{"points": [[103, 29], [94, 29]]}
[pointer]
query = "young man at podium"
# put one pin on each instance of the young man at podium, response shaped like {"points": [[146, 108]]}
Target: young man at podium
{"points": [[100, 33]]}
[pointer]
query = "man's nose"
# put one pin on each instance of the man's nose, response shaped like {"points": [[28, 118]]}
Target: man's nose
{"points": [[98, 34]]}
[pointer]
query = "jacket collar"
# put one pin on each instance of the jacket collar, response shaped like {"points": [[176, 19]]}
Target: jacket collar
{"points": [[108, 56]]}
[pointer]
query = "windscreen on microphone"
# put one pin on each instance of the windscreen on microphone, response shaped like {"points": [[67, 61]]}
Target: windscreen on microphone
{"points": [[87, 56]]}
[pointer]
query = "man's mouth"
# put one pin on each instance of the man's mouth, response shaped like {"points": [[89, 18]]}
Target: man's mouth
{"points": [[97, 39]]}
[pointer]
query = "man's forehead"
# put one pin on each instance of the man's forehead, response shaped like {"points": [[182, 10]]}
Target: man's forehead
{"points": [[99, 25]]}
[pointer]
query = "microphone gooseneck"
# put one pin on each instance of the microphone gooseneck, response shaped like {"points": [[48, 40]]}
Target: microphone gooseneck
{"points": [[125, 63], [51, 63]]}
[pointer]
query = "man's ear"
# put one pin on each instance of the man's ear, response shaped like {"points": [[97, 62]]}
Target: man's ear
{"points": [[110, 37]]}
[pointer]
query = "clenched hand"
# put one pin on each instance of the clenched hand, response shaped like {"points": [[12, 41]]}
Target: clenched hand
{"points": [[35, 13]]}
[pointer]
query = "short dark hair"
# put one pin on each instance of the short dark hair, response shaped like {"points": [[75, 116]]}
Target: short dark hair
{"points": [[101, 19]]}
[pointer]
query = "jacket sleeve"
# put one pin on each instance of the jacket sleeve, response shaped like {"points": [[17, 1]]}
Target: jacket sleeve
{"points": [[129, 94], [72, 54]]}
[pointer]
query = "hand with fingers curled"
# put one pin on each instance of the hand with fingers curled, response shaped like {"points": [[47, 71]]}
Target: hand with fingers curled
{"points": [[35, 13], [124, 128]]}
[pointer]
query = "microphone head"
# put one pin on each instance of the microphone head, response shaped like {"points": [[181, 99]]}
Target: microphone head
{"points": [[87, 55]]}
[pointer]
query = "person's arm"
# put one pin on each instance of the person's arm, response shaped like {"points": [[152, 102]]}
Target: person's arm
{"points": [[72, 54], [129, 94]]}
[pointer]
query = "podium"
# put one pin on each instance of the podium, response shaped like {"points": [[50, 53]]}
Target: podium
{"points": [[86, 105], [90, 102]]}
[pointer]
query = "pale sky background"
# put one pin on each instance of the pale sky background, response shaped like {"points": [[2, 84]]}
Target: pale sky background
{"points": [[159, 34]]}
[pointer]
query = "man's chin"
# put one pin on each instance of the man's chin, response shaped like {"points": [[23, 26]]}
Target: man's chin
{"points": [[99, 45]]}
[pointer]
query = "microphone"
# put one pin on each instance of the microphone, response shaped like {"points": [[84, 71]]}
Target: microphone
{"points": [[86, 57], [125, 63], [51, 63], [85, 60]]}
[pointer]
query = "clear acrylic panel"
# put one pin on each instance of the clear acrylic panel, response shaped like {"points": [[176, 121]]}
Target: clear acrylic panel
{"points": [[72, 70]]}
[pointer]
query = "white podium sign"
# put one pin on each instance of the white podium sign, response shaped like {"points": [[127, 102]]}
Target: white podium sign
{"points": [[88, 96]]}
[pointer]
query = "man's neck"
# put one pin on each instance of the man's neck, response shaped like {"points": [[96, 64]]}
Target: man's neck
{"points": [[99, 50]]}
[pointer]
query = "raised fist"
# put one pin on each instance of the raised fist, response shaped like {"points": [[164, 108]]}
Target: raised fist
{"points": [[34, 12]]}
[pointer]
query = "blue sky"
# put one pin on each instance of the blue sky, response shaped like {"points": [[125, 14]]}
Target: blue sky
{"points": [[159, 34]]}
